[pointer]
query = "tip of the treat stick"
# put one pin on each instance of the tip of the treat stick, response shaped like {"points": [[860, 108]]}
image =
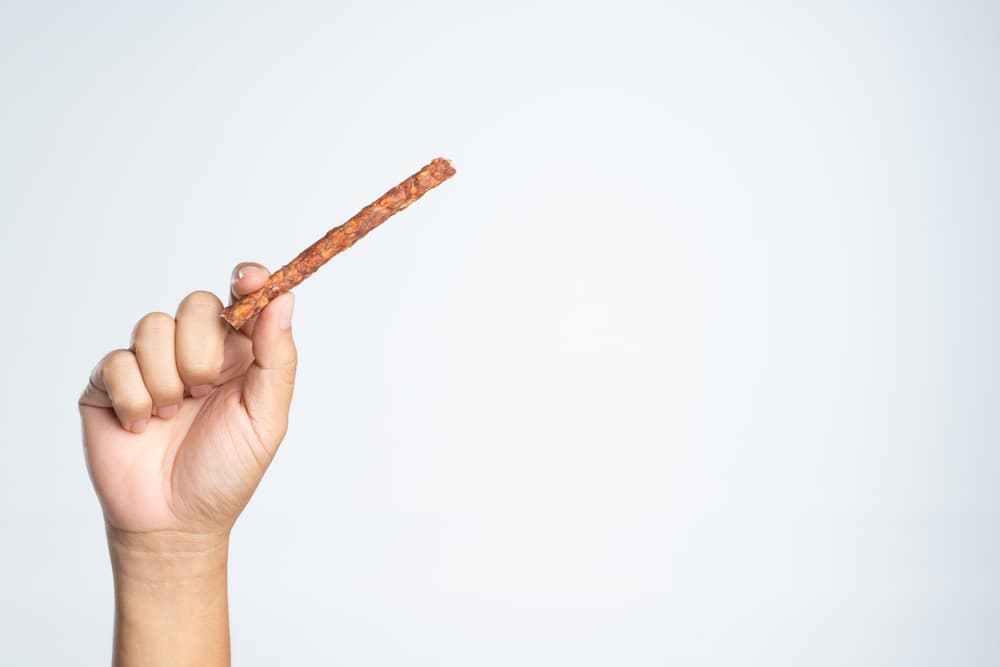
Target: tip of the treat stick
{"points": [[445, 164]]}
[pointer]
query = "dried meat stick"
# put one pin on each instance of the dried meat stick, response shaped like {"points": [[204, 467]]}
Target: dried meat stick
{"points": [[338, 240]]}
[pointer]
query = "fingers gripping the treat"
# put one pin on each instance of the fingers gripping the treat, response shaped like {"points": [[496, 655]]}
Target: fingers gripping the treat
{"points": [[247, 277], [195, 352], [267, 392], [116, 382], [199, 341]]}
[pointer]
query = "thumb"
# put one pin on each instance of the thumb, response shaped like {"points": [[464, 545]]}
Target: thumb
{"points": [[267, 388]]}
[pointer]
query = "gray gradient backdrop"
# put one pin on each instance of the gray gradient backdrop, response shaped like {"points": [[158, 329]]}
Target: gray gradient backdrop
{"points": [[693, 363]]}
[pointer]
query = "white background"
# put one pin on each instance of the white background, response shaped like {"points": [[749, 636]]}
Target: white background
{"points": [[694, 362]]}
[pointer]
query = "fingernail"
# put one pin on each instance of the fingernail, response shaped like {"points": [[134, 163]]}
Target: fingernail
{"points": [[285, 321], [167, 412], [139, 426], [201, 390]]}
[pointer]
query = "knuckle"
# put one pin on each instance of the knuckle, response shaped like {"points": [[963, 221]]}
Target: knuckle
{"points": [[202, 299], [151, 328], [116, 362], [154, 323]]}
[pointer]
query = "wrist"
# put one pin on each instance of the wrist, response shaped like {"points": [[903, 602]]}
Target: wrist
{"points": [[167, 557]]}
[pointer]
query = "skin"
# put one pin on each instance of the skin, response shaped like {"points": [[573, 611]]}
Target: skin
{"points": [[178, 431]]}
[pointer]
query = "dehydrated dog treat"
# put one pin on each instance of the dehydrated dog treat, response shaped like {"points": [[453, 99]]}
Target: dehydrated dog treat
{"points": [[338, 240]]}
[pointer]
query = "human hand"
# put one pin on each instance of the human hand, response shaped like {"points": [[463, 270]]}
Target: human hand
{"points": [[179, 429]]}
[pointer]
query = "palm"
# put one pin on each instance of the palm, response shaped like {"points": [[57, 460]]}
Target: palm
{"points": [[193, 470]]}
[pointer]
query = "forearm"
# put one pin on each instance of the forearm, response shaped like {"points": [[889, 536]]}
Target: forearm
{"points": [[171, 604]]}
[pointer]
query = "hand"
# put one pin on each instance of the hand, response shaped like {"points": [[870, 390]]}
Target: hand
{"points": [[179, 429]]}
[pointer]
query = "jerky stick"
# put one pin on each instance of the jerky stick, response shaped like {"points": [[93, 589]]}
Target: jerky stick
{"points": [[338, 240]]}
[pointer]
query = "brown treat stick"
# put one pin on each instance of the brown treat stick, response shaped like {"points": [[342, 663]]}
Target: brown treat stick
{"points": [[338, 240]]}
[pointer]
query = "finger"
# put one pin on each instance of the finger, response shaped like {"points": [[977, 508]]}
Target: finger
{"points": [[119, 380], [247, 277], [95, 394], [153, 345], [199, 336], [267, 392]]}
